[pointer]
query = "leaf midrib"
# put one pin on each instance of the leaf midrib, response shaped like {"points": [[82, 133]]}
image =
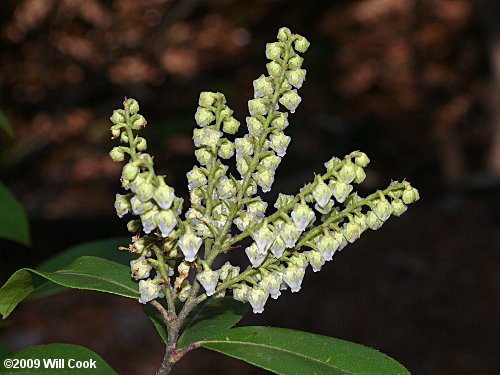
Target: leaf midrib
{"points": [[92, 277], [278, 349]]}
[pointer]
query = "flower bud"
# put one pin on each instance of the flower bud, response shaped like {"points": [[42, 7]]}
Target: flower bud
{"points": [[383, 209], [279, 142], [410, 195], [140, 268], [348, 171], [254, 255], [122, 204], [264, 179], [138, 122], [130, 171], [289, 234], [271, 284], [274, 50], [117, 117], [138, 207], [185, 291], [283, 200], [206, 137], [242, 166], [255, 127], [361, 159], [352, 231], [270, 162], [278, 247], [360, 175], [257, 208], [301, 44], [203, 156], [321, 192], [284, 34], [141, 144], [208, 279], [295, 62], [262, 86], [240, 292], [184, 268], [299, 260], [327, 245], [116, 131], [257, 298], [145, 191], [316, 260], [373, 221], [204, 117], [293, 276], [148, 220], [150, 289], [244, 146], [258, 106], [280, 122], [263, 238], [226, 188], [196, 178], [230, 125], [302, 216], [244, 221], [189, 244], [206, 99], [166, 221], [331, 164], [133, 226], [290, 100], [274, 69], [117, 153], [296, 77], [398, 207], [340, 190], [228, 272], [132, 106]]}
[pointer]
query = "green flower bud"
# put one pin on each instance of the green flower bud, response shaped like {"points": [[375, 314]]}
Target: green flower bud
{"points": [[133, 226], [226, 112], [321, 192], [284, 34], [140, 268], [316, 260], [117, 117], [226, 188], [301, 44], [244, 221], [196, 178], [240, 292], [257, 208], [124, 137], [270, 162], [226, 150], [184, 268], [262, 86], [410, 195], [228, 272], [258, 106], [141, 144], [230, 125], [264, 179], [145, 191], [132, 106], [290, 100], [280, 122], [283, 200], [274, 50], [398, 207], [361, 159], [383, 209], [274, 69], [116, 131], [139, 122], [296, 77], [130, 171], [295, 62], [164, 195], [122, 204], [117, 153], [331, 164], [340, 190], [203, 156], [204, 117], [348, 171], [255, 127], [242, 166], [148, 220], [206, 99], [352, 231], [360, 175], [373, 221], [279, 142], [185, 291], [244, 146]]}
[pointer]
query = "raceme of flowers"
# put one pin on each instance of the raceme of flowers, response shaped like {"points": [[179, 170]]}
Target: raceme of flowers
{"points": [[176, 251]]}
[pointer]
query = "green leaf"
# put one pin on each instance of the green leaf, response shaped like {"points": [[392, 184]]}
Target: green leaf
{"points": [[289, 352], [13, 222], [105, 249], [4, 351], [68, 354], [210, 318], [89, 273], [5, 124], [206, 319]]}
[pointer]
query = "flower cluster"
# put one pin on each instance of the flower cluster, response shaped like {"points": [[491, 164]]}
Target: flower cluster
{"points": [[304, 230]]}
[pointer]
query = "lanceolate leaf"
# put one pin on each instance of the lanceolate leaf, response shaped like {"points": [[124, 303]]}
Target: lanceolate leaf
{"points": [[106, 249], [289, 352], [13, 222], [208, 319], [69, 356], [90, 273]]}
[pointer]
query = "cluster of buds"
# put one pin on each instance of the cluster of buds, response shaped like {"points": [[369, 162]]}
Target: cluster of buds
{"points": [[304, 230]]}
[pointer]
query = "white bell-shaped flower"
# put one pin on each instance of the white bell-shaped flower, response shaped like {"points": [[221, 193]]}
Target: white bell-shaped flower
{"points": [[271, 284], [264, 178], [340, 190], [279, 142], [278, 247], [290, 100], [166, 222], [140, 268], [164, 195], [302, 216], [316, 260], [150, 289], [240, 292], [352, 231], [289, 233], [255, 257], [257, 298], [122, 204], [383, 209], [293, 277], [208, 279], [321, 192], [189, 244], [327, 245], [263, 238], [148, 220]]}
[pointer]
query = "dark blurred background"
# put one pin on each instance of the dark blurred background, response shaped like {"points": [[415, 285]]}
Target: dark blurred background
{"points": [[413, 83]]}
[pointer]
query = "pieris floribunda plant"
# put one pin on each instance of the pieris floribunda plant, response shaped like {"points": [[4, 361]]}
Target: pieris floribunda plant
{"points": [[176, 250], [176, 273]]}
